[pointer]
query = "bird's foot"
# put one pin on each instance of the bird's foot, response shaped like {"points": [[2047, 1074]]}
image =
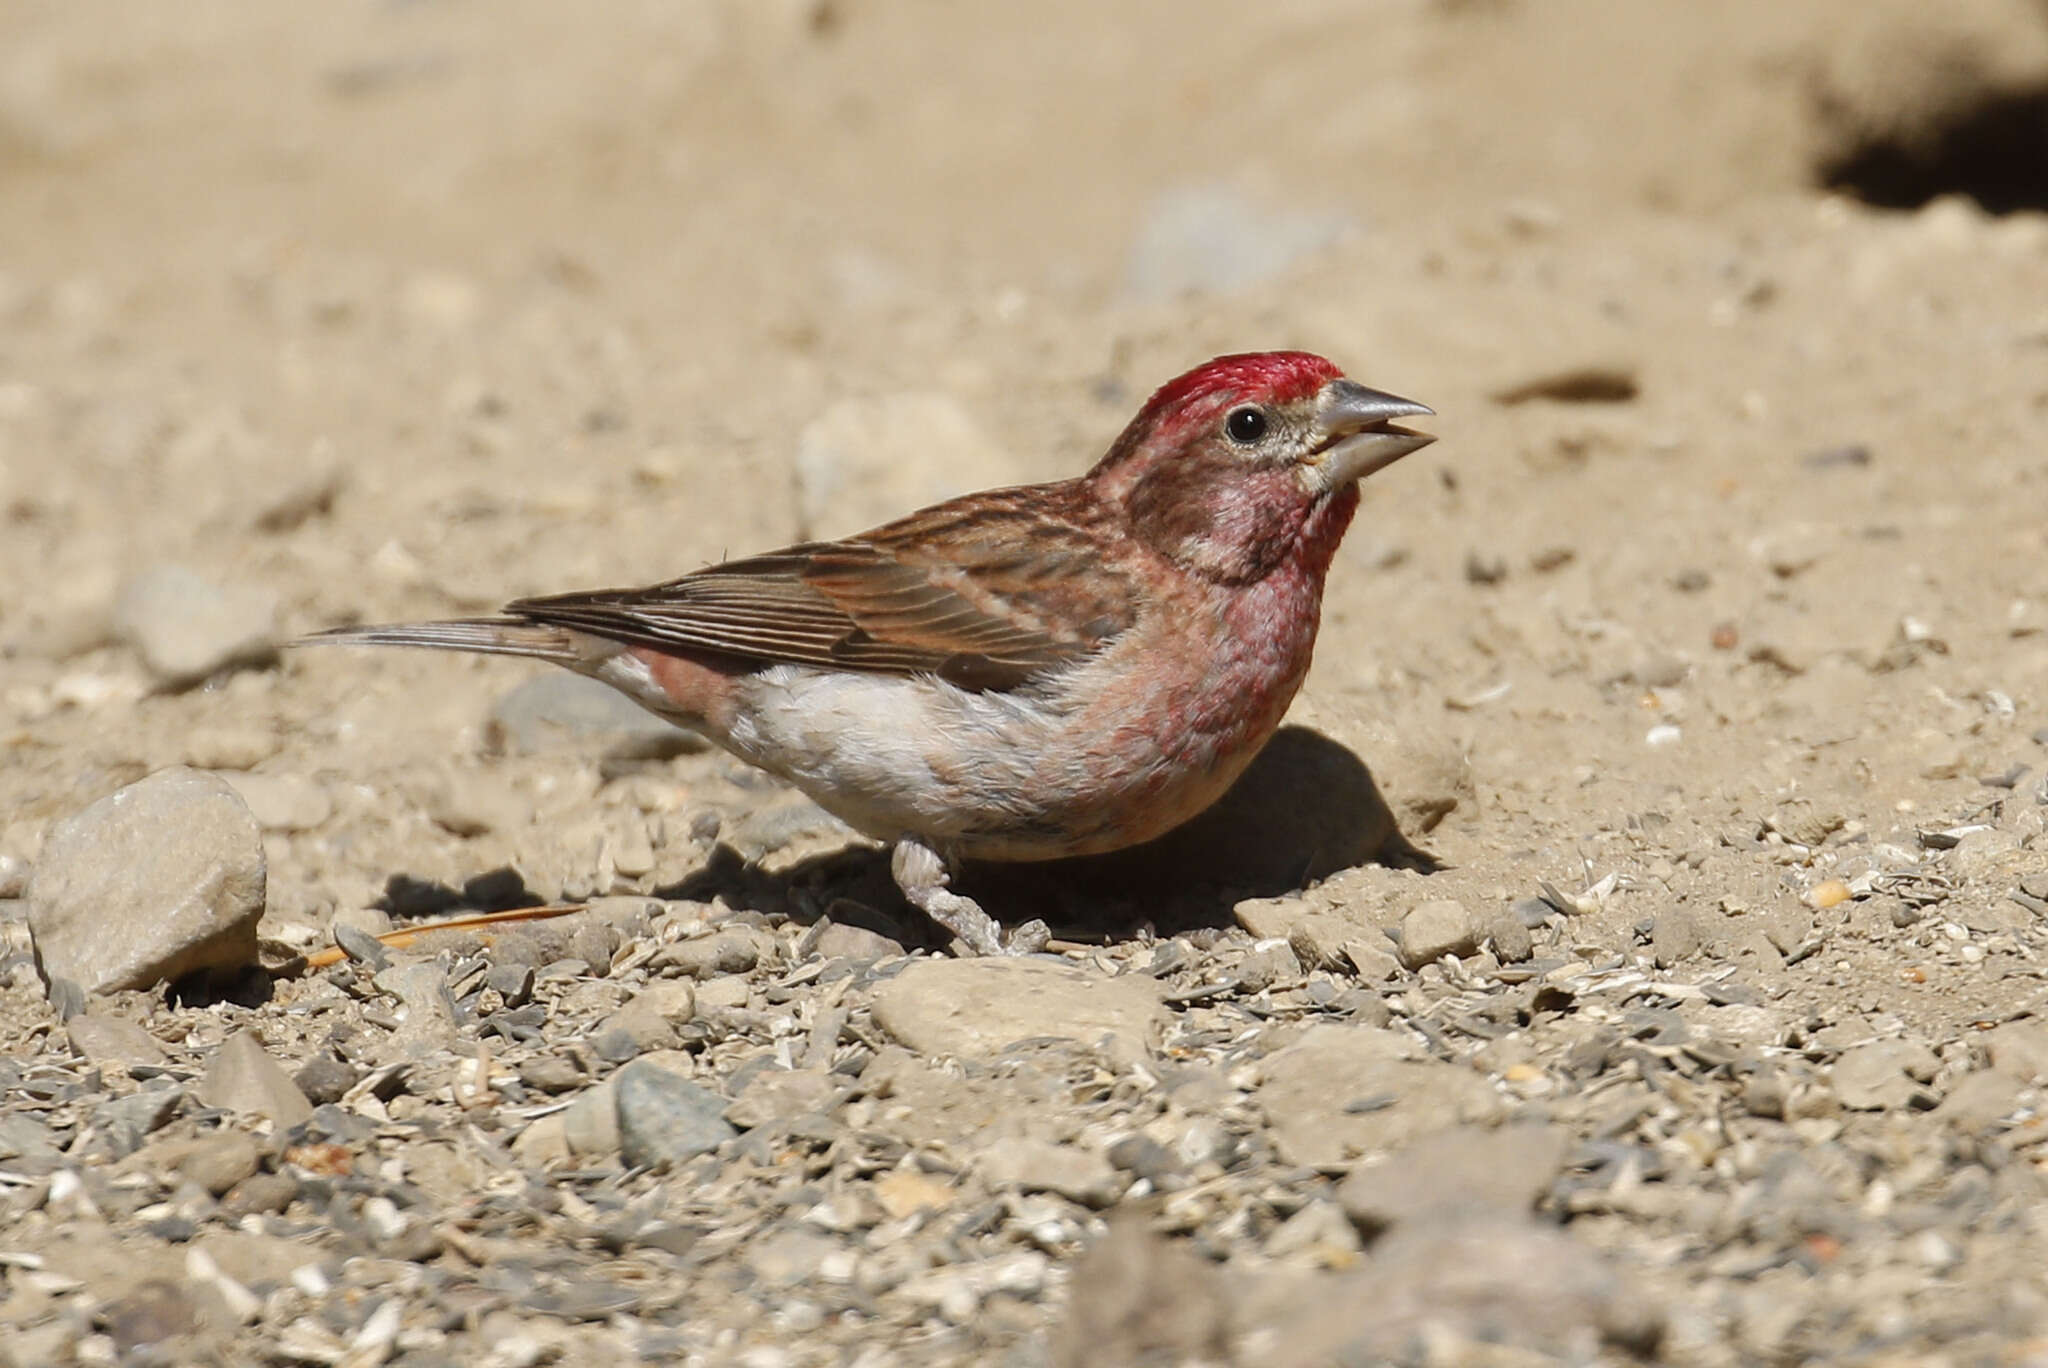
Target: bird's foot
{"points": [[922, 876]]}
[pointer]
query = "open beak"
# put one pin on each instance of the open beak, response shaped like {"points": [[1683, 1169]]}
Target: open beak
{"points": [[1358, 435]]}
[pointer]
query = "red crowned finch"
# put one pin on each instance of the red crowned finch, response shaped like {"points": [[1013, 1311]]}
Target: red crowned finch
{"points": [[1021, 674]]}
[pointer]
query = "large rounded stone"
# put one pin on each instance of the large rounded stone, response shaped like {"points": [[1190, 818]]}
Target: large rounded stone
{"points": [[149, 884]]}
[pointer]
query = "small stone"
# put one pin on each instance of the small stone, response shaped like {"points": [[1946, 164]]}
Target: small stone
{"points": [[325, 1078], [127, 1121], [552, 1073], [1319, 940], [700, 957], [259, 1194], [14, 872], [1339, 1092], [1318, 1231], [284, 802], [429, 1017], [849, 941], [215, 1161], [110, 1040], [1506, 1169], [362, 947], [652, 1016], [244, 1078], [1437, 928], [1139, 1298], [1141, 1156], [474, 805], [1512, 942], [2020, 1048], [1881, 1074], [156, 881], [559, 710], [1042, 1166], [186, 629], [590, 1125], [1675, 935], [1372, 962], [664, 1118], [978, 1006], [513, 983], [779, 1094], [229, 746]]}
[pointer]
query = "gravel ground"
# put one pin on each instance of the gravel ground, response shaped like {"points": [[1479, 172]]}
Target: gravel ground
{"points": [[1633, 950]]}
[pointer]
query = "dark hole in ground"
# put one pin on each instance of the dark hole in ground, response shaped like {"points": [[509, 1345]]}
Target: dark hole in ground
{"points": [[1996, 152]]}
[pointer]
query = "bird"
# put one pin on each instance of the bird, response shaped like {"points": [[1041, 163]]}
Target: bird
{"points": [[1019, 674]]}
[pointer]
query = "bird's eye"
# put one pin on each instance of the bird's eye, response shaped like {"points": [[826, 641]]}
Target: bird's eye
{"points": [[1245, 426]]}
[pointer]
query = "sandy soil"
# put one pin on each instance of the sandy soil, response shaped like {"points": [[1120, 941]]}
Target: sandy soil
{"points": [[1728, 576]]}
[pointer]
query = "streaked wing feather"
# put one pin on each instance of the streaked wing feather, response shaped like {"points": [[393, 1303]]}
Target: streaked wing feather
{"points": [[986, 591]]}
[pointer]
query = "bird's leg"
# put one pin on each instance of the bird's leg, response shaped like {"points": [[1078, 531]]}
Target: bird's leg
{"points": [[921, 873]]}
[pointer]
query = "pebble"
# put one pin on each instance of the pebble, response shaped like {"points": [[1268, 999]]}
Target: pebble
{"points": [[187, 629], [1882, 1075], [701, 957], [474, 805], [1042, 1166], [1675, 936], [14, 874], [558, 710], [110, 1040], [325, 1078], [865, 459], [779, 1094], [215, 1160], [1309, 1091], [664, 1118], [1433, 929], [244, 1078], [429, 1017], [156, 881], [848, 941], [1438, 1175], [128, 1121], [284, 802], [978, 1006], [649, 1020]]}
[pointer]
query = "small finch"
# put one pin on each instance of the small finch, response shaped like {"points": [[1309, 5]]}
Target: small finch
{"points": [[1020, 674]]}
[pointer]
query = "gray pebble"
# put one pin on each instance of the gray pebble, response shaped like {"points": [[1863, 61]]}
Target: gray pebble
{"points": [[186, 629], [244, 1078], [664, 1118], [1437, 928], [1460, 1169], [128, 1121], [259, 1193], [156, 881], [1042, 1166], [361, 946], [551, 1073], [1143, 1157], [325, 1078], [110, 1040]]}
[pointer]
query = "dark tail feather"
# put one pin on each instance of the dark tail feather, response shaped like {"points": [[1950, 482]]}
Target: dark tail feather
{"points": [[486, 636]]}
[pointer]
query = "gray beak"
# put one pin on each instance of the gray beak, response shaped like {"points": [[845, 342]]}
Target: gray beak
{"points": [[1358, 434]]}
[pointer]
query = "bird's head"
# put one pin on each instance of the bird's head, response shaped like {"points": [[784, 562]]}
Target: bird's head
{"points": [[1246, 461]]}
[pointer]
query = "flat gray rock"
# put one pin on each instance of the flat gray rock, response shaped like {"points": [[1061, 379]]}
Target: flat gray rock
{"points": [[244, 1078], [1343, 1092], [1464, 1169], [149, 884], [664, 1117], [186, 628], [978, 1006]]}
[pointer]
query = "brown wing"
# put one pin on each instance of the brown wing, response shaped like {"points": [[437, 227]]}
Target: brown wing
{"points": [[985, 591]]}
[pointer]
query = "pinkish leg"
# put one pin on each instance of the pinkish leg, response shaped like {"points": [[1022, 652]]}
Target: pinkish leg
{"points": [[921, 874]]}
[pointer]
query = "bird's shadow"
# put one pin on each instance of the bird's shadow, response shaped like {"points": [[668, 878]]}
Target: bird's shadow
{"points": [[1306, 808]]}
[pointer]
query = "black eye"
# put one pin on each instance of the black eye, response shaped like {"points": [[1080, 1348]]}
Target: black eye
{"points": [[1245, 426]]}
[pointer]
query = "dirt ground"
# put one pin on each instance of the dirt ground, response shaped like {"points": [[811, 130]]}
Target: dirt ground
{"points": [[1720, 610]]}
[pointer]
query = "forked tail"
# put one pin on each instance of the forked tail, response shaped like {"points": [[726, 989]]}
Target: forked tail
{"points": [[485, 636]]}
